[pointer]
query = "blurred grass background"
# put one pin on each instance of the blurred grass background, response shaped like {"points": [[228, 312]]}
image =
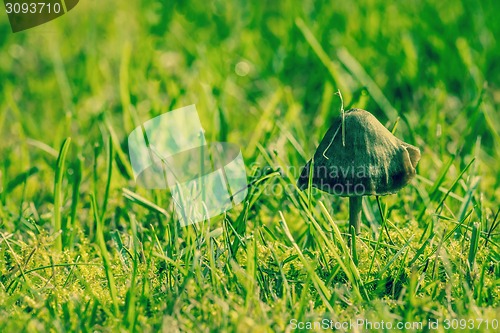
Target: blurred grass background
{"points": [[264, 76]]}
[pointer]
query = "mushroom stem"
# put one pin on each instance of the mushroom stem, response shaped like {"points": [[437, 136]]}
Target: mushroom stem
{"points": [[355, 214]]}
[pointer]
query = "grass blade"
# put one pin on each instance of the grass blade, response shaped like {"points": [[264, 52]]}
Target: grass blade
{"points": [[101, 243], [58, 179]]}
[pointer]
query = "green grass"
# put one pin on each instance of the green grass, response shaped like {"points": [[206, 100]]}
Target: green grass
{"points": [[82, 248]]}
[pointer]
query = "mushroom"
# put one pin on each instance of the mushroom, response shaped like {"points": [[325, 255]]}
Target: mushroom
{"points": [[362, 159]]}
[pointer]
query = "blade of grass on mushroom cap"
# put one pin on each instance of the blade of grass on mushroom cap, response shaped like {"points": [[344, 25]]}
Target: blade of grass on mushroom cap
{"points": [[342, 111]]}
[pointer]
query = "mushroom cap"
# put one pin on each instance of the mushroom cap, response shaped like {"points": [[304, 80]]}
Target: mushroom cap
{"points": [[372, 161]]}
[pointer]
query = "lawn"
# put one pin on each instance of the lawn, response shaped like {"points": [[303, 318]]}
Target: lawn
{"points": [[83, 247]]}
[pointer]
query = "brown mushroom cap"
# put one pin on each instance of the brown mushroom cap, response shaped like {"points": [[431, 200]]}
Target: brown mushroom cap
{"points": [[372, 161]]}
